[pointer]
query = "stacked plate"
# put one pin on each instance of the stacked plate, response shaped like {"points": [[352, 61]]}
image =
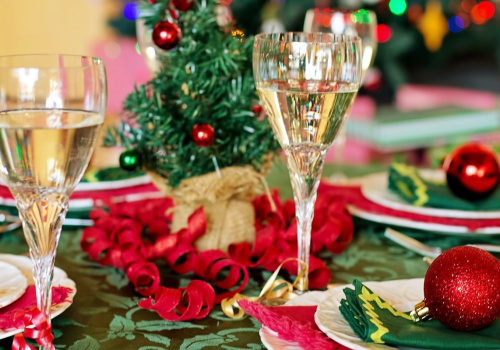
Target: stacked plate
{"points": [[331, 322], [90, 194], [17, 276], [374, 188]]}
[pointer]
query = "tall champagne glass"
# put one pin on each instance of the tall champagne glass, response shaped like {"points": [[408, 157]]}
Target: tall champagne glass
{"points": [[51, 110], [360, 23], [307, 84]]}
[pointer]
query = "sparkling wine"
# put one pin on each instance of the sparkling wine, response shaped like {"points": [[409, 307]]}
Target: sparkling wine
{"points": [[306, 116], [43, 155]]}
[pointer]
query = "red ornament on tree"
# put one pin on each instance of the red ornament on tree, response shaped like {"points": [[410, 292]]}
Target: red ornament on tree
{"points": [[472, 171], [462, 288], [183, 5], [166, 35], [257, 109], [203, 135]]}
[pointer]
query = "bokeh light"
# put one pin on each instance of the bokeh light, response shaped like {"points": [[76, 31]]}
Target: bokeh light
{"points": [[383, 33], [486, 9], [414, 13], [468, 5], [397, 7], [476, 17], [131, 11], [455, 24], [465, 17]]}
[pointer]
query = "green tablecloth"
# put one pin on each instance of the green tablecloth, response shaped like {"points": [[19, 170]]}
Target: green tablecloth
{"points": [[105, 314]]}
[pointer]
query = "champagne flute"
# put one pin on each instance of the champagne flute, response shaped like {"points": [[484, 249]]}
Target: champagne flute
{"points": [[360, 23], [307, 83], [51, 111]]}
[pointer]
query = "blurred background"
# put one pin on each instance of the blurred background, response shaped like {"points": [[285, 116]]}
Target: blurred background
{"points": [[434, 83]]}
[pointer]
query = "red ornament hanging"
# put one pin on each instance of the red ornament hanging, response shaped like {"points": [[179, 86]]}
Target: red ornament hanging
{"points": [[472, 171], [257, 109], [225, 2], [173, 14], [462, 289], [183, 5], [203, 135], [166, 35]]}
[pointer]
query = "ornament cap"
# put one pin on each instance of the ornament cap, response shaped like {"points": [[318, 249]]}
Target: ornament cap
{"points": [[421, 312]]}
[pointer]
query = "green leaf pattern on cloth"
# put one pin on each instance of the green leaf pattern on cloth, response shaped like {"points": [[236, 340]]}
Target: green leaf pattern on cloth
{"points": [[105, 314]]}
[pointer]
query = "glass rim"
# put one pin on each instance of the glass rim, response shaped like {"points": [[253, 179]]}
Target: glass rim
{"points": [[339, 10], [93, 61], [275, 37]]}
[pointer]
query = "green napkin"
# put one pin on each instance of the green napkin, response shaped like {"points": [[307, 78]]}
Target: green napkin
{"points": [[373, 320], [406, 182]]}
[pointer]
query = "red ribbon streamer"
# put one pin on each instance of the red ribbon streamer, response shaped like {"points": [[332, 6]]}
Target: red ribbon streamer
{"points": [[133, 234], [37, 328]]}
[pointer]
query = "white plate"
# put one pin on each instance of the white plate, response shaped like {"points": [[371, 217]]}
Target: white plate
{"points": [[113, 185], [12, 283], [402, 294], [427, 226], [272, 341], [374, 188], [23, 263]]}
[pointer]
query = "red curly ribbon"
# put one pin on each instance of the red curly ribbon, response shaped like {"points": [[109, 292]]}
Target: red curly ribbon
{"points": [[37, 328], [193, 302], [133, 234]]}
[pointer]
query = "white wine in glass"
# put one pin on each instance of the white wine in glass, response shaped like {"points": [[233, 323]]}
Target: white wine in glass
{"points": [[51, 110], [307, 83]]}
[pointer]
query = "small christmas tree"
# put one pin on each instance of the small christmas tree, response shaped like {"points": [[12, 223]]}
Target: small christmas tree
{"points": [[197, 126], [200, 112]]}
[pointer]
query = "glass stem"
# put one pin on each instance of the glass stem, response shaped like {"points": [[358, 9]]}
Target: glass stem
{"points": [[305, 165], [42, 220]]}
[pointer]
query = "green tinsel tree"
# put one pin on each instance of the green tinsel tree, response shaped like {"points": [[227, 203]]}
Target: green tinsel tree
{"points": [[205, 80]]}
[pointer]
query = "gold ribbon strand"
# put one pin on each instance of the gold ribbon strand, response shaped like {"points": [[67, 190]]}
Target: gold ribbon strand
{"points": [[276, 291]]}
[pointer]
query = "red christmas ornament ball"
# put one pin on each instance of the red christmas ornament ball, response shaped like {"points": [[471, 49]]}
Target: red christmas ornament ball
{"points": [[203, 135], [183, 5], [257, 109], [462, 288], [166, 35], [472, 171]]}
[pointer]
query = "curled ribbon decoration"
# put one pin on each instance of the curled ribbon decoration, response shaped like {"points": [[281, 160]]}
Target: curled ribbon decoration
{"points": [[276, 291], [132, 236], [37, 328], [193, 302]]}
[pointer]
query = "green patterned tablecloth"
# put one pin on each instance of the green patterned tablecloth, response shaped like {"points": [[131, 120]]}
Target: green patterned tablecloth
{"points": [[105, 315]]}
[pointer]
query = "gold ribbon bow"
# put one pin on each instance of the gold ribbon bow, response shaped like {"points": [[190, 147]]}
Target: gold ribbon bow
{"points": [[275, 292]]}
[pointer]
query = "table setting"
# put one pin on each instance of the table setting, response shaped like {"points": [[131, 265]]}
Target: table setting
{"points": [[223, 226]]}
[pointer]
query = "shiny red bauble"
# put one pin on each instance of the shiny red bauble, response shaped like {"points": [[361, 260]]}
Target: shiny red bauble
{"points": [[183, 5], [257, 109], [166, 35], [462, 288], [203, 135], [472, 171]]}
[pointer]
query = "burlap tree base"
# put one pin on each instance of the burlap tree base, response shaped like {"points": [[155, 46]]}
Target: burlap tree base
{"points": [[227, 201]]}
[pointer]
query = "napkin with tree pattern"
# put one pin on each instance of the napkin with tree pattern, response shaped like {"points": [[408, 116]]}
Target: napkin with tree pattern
{"points": [[406, 182], [374, 320]]}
